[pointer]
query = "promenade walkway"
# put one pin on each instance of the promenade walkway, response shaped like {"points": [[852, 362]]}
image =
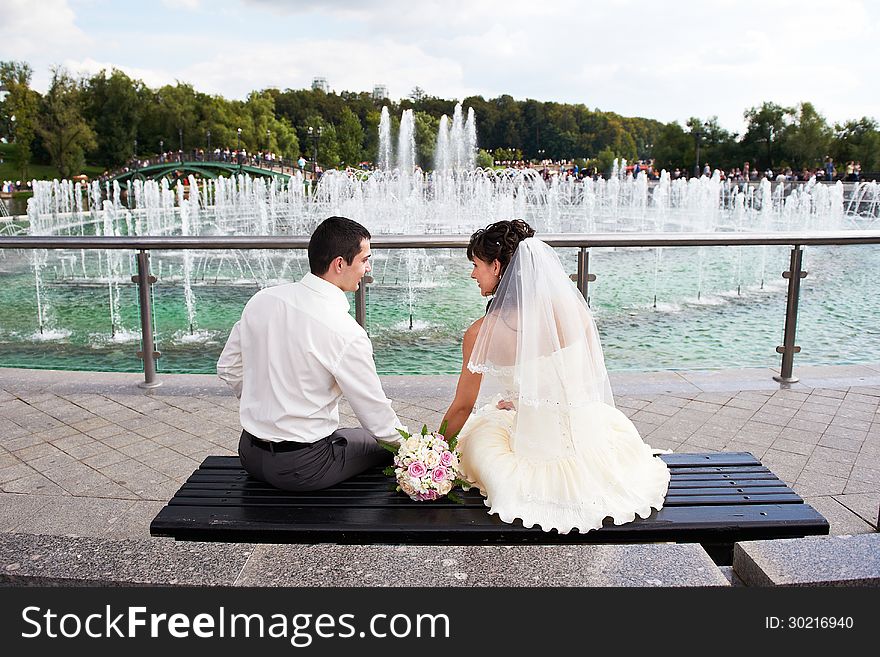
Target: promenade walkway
{"points": [[88, 459]]}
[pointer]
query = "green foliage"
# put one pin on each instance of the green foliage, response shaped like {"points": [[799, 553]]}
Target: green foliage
{"points": [[806, 140], [19, 112], [484, 160], [119, 110], [112, 107], [64, 130], [858, 140], [605, 160], [350, 137], [426, 138], [765, 127]]}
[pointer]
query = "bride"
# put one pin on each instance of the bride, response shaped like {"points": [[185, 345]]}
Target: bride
{"points": [[550, 449]]}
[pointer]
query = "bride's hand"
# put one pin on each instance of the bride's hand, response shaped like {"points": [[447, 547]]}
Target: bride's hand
{"points": [[505, 405]]}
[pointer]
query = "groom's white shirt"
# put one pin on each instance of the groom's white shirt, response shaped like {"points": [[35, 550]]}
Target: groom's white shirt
{"points": [[291, 357]]}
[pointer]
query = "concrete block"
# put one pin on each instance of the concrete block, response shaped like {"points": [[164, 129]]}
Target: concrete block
{"points": [[810, 561], [29, 560], [643, 565]]}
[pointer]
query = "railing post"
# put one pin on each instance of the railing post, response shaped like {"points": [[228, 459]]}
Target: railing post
{"points": [[583, 278], [144, 280], [360, 301], [788, 348]]}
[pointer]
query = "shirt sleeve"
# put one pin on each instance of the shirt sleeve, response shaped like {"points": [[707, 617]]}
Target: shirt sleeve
{"points": [[357, 378], [230, 367]]}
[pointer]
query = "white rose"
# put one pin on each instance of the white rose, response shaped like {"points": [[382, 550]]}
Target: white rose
{"points": [[431, 459], [406, 486], [443, 487], [411, 444]]}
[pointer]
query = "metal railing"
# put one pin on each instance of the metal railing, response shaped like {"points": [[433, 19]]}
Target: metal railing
{"points": [[583, 277]]}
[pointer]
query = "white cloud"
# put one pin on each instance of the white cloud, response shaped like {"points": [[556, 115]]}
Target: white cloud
{"points": [[689, 58], [190, 5], [34, 29]]}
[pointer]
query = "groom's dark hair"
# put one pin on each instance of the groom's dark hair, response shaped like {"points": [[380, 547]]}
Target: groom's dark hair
{"points": [[334, 237]]}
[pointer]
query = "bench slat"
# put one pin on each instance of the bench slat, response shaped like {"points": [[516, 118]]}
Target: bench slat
{"points": [[673, 460], [391, 499], [307, 524]]}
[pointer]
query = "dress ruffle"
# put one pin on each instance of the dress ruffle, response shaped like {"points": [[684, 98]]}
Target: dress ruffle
{"points": [[610, 471]]}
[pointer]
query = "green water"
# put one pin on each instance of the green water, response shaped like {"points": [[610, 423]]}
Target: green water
{"points": [[700, 321]]}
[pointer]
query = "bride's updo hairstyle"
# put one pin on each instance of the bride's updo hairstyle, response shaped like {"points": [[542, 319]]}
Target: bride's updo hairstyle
{"points": [[498, 241]]}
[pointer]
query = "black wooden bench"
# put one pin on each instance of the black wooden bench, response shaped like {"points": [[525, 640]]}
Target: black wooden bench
{"points": [[714, 499]]}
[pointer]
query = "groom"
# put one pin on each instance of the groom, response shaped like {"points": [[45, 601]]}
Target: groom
{"points": [[291, 357]]}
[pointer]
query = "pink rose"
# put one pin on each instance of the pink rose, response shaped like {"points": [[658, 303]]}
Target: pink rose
{"points": [[446, 459], [439, 474], [427, 496], [417, 470]]}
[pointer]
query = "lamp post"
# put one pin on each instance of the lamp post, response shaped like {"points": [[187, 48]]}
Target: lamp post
{"points": [[161, 150], [135, 153], [238, 147], [698, 134], [315, 134], [4, 92], [268, 141], [180, 154], [208, 149]]}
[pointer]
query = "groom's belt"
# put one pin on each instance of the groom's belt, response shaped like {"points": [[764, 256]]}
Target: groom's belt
{"points": [[279, 445]]}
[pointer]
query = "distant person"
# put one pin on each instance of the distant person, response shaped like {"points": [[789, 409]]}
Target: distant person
{"points": [[292, 356], [301, 163], [829, 168]]}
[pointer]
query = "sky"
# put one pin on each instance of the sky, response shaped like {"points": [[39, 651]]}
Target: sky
{"points": [[662, 60]]}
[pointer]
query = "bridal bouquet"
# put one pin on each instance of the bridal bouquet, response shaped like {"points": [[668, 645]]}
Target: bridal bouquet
{"points": [[426, 465]]}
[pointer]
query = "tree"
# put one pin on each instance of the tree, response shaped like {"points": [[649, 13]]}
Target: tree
{"points": [[507, 125], [65, 132], [858, 141], [417, 95], [324, 140], [426, 127], [112, 107], [766, 124], [605, 161], [350, 137], [806, 141], [19, 111], [673, 148], [484, 159], [177, 113]]}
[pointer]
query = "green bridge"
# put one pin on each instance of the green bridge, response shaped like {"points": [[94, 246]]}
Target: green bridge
{"points": [[203, 169]]}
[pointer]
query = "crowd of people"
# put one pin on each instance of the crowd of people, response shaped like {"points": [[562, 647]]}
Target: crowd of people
{"points": [[569, 170]]}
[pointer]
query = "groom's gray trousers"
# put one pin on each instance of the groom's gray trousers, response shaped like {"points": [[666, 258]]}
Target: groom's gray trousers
{"points": [[296, 466]]}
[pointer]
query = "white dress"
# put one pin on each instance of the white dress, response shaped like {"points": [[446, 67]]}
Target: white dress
{"points": [[566, 458], [602, 469]]}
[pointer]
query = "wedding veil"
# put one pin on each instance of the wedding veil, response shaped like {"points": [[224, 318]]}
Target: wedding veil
{"points": [[539, 342]]}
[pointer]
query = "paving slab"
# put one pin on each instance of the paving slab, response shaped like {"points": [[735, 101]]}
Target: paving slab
{"points": [[811, 561]]}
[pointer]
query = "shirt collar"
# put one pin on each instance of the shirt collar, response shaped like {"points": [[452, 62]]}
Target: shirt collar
{"points": [[327, 290]]}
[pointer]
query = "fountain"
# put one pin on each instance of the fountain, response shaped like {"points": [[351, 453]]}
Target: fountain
{"points": [[200, 292]]}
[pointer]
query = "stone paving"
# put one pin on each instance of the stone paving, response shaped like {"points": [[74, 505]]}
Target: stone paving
{"points": [[92, 455]]}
